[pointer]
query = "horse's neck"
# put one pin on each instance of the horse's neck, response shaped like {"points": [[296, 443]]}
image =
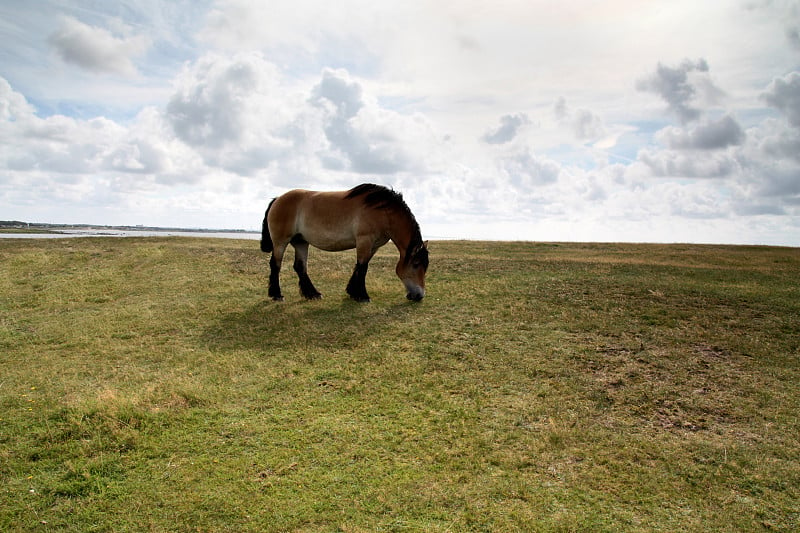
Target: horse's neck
{"points": [[402, 232]]}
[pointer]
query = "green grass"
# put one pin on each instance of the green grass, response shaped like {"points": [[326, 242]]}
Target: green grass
{"points": [[147, 384]]}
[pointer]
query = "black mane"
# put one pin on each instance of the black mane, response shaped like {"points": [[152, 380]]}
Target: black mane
{"points": [[380, 197]]}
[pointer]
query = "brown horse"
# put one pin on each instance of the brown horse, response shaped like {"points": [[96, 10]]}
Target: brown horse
{"points": [[365, 218]]}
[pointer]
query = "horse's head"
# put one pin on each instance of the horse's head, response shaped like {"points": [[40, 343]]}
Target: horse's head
{"points": [[411, 270]]}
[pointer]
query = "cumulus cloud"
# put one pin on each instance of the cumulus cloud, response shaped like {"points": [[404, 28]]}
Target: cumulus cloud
{"points": [[706, 135], [13, 105], [777, 142], [784, 94], [234, 111], [583, 124], [694, 202], [97, 49], [363, 137], [242, 114], [509, 126], [210, 105], [770, 158], [681, 87], [73, 151], [704, 147], [681, 164], [57, 144], [770, 161], [526, 170]]}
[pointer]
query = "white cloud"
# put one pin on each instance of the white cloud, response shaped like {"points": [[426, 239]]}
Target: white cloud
{"points": [[526, 170], [13, 105], [584, 124], [705, 135], [784, 95], [234, 111], [683, 88], [362, 136], [97, 49], [508, 129]]}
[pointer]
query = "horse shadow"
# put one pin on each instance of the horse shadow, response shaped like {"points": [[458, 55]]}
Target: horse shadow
{"points": [[268, 326]]}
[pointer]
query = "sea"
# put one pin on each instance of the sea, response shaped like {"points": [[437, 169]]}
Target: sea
{"points": [[103, 232]]}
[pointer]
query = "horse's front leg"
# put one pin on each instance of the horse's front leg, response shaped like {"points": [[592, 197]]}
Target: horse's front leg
{"points": [[307, 288], [357, 287], [275, 261]]}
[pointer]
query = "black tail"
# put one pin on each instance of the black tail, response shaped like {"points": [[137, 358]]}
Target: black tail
{"points": [[266, 240]]}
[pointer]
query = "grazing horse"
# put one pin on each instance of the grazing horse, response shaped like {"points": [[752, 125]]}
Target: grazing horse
{"points": [[365, 218]]}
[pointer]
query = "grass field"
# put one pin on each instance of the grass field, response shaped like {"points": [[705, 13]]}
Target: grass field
{"points": [[147, 384]]}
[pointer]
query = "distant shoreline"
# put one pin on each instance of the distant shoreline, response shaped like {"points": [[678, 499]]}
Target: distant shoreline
{"points": [[15, 226]]}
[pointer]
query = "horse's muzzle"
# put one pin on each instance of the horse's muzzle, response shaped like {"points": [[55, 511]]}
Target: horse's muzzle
{"points": [[416, 296]]}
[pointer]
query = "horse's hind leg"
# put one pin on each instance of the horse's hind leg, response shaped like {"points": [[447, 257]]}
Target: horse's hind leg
{"points": [[275, 261], [307, 288]]}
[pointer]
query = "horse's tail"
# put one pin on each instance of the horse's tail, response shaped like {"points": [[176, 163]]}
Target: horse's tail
{"points": [[266, 240]]}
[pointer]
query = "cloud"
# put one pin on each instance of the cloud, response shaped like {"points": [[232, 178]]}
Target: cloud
{"points": [[13, 105], [242, 114], [770, 162], [681, 86], [758, 170], [362, 137], [75, 152], [784, 95], [211, 102], [57, 144], [770, 158], [341, 99], [682, 164], [96, 49], [583, 124], [793, 36], [694, 202], [509, 126], [786, 12], [526, 170], [337, 89], [706, 135], [776, 142], [234, 111]]}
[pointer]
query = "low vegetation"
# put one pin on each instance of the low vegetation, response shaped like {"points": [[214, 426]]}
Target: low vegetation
{"points": [[148, 384]]}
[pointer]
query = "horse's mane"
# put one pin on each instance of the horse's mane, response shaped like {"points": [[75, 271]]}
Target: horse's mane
{"points": [[380, 197]]}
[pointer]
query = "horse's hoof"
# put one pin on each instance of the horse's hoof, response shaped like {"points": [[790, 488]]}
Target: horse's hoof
{"points": [[277, 298], [317, 296]]}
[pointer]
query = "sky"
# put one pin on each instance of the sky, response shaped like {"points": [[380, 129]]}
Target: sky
{"points": [[607, 121]]}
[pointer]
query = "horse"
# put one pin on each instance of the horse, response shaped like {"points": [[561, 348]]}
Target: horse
{"points": [[365, 218]]}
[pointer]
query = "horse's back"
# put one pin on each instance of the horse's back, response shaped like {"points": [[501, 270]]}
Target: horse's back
{"points": [[326, 220]]}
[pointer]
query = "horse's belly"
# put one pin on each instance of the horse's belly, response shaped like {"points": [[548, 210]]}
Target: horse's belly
{"points": [[330, 239], [331, 243]]}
